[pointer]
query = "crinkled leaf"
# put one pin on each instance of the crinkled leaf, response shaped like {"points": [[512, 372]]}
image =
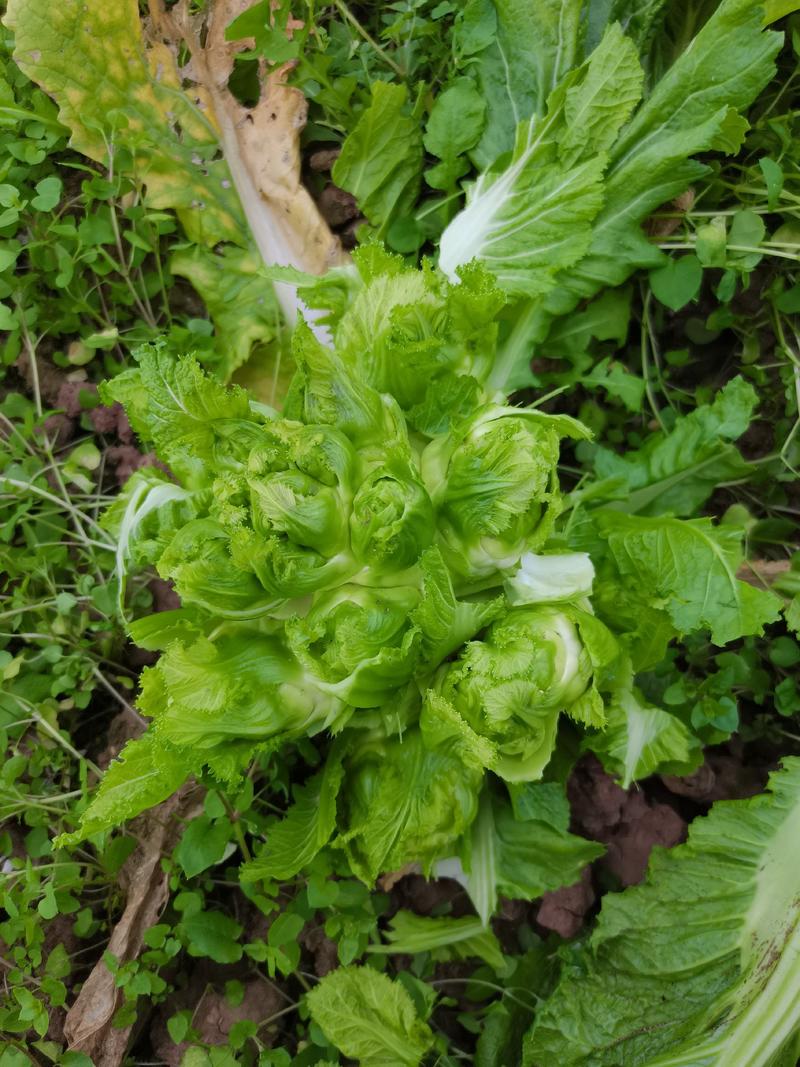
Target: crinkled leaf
{"points": [[688, 568], [700, 964], [187, 414], [306, 828], [139, 778], [446, 623], [428, 343], [369, 1018], [404, 803]]}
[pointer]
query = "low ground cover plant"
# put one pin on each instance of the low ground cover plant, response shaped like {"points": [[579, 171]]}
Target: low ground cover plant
{"points": [[401, 411]]}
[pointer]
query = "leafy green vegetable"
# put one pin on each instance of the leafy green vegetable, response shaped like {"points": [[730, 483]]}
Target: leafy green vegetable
{"points": [[387, 599], [405, 802], [532, 216], [307, 827], [444, 937], [518, 53], [141, 778], [690, 109], [369, 1017], [492, 480], [662, 980], [688, 568], [675, 473], [640, 738], [500, 701], [514, 857], [381, 160]]}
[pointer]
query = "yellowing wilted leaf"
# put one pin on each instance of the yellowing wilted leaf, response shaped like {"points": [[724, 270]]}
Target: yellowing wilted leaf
{"points": [[231, 173]]}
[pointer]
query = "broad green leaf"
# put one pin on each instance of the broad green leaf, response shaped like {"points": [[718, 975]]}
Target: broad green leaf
{"points": [[306, 828], [640, 740], [531, 216], [444, 938], [675, 473], [240, 301], [521, 54], [369, 1018], [701, 963], [456, 120], [202, 844], [139, 778], [677, 282], [381, 158], [212, 934], [688, 568], [520, 859], [527, 220], [116, 91], [688, 111], [778, 9]]}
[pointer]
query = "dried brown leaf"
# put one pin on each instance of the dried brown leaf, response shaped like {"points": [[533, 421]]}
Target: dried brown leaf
{"points": [[762, 572], [88, 1027], [118, 85], [261, 144], [389, 880]]}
